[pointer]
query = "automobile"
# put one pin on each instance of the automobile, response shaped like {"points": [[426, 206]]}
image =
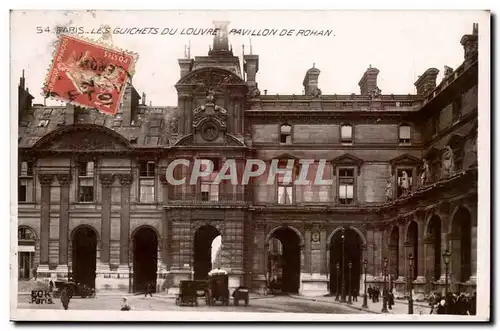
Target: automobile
{"points": [[187, 293], [74, 289], [240, 293], [218, 288]]}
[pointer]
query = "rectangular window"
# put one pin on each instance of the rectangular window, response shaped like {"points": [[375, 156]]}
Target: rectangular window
{"points": [[147, 168], [286, 134], [26, 169], [346, 133], [147, 187], [22, 192], [404, 134], [209, 192], [285, 195], [346, 186], [86, 169], [86, 193]]}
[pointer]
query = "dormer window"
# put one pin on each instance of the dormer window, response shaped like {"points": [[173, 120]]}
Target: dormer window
{"points": [[286, 134], [346, 133], [404, 134]]}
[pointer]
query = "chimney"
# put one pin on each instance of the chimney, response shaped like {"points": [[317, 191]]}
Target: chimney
{"points": [[426, 83], [221, 42], [368, 82], [186, 65], [129, 106], [69, 117], [469, 42], [25, 99], [143, 98], [251, 67], [311, 80]]}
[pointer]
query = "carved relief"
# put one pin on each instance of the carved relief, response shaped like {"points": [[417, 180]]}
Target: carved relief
{"points": [[85, 140], [389, 194], [46, 179], [448, 162], [125, 179], [64, 179], [211, 113], [106, 179]]}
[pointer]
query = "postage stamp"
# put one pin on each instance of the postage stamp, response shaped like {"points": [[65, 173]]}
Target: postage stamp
{"points": [[89, 74], [290, 168]]}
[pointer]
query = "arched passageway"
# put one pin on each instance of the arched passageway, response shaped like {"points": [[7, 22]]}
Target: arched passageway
{"points": [[145, 243], [84, 255], [203, 239], [283, 264], [345, 247]]}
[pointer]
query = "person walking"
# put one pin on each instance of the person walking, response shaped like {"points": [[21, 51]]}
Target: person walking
{"points": [[65, 299], [51, 286], [149, 290], [355, 295]]}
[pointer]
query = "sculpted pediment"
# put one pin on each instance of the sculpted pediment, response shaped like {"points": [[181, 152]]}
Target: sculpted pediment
{"points": [[406, 159], [214, 78], [81, 139]]}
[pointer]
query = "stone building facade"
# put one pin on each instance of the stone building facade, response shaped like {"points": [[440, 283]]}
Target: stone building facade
{"points": [[95, 203]]}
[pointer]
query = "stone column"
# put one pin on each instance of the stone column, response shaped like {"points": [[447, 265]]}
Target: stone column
{"points": [[125, 182], [455, 249], [45, 182], [402, 254], [324, 261], [62, 268], [429, 262], [106, 181], [473, 277], [307, 254], [420, 282]]}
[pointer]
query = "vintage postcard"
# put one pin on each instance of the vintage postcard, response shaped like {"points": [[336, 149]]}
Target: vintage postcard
{"points": [[212, 166]]}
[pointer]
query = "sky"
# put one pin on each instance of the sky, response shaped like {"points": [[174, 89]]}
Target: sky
{"points": [[401, 44]]}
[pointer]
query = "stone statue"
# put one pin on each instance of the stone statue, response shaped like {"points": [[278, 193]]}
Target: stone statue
{"points": [[404, 183], [447, 71], [388, 191], [316, 93], [448, 162], [253, 93], [425, 176], [174, 123], [375, 93], [210, 95]]}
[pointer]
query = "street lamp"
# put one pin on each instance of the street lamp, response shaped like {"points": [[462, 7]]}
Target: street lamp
{"points": [[410, 284], [337, 284], [446, 258], [130, 275], [384, 305], [350, 288], [342, 299], [365, 297]]}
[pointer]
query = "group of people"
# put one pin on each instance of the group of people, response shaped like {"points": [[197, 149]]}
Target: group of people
{"points": [[453, 304], [374, 295]]}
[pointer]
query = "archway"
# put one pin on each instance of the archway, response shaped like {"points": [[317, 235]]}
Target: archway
{"points": [[145, 243], [84, 255], [434, 239], [412, 248], [394, 253], [203, 239], [461, 245], [26, 238], [350, 251], [283, 263]]}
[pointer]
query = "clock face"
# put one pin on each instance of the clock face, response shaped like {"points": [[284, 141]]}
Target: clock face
{"points": [[209, 132], [315, 237]]}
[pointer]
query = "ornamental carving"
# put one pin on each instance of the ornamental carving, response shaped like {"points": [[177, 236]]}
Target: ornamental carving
{"points": [[209, 131], [448, 162], [46, 179], [106, 179], [253, 93], [86, 140], [211, 78], [125, 179], [64, 179], [209, 112]]}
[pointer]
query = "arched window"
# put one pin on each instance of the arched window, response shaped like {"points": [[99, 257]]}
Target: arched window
{"points": [[286, 134], [404, 134], [346, 133], [26, 252]]}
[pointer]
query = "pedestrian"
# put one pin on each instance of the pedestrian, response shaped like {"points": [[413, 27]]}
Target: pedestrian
{"points": [[355, 295], [390, 299], [125, 305], [370, 292], [149, 290], [51, 286], [65, 299]]}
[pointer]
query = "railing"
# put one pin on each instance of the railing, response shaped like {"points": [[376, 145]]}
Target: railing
{"points": [[207, 199]]}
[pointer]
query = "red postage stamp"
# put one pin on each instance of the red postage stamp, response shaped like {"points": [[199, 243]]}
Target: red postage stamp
{"points": [[89, 74]]}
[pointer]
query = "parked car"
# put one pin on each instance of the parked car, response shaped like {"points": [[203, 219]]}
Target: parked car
{"points": [[187, 293], [74, 289], [240, 293]]}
